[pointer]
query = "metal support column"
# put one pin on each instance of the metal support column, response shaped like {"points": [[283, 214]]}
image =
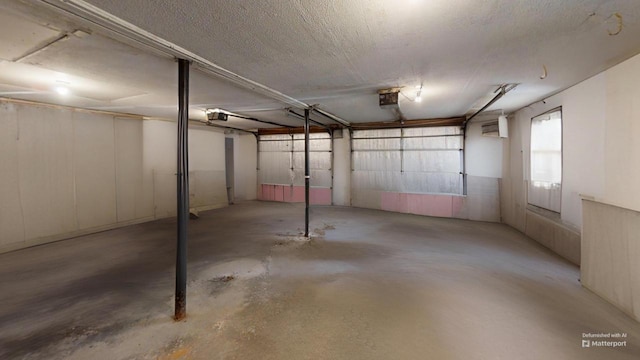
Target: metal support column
{"points": [[331, 148], [402, 150], [183, 189], [307, 175], [464, 160]]}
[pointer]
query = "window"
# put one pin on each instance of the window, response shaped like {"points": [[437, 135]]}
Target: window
{"points": [[546, 160]]}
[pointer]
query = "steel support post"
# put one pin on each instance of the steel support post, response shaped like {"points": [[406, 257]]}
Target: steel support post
{"points": [[307, 175], [182, 189]]}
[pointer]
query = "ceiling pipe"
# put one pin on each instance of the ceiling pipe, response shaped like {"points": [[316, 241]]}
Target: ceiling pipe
{"points": [[61, 37], [96, 16], [227, 127], [501, 91], [330, 116], [261, 121], [289, 111]]}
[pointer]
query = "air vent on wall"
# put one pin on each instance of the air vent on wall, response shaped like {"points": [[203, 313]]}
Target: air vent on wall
{"points": [[496, 128]]}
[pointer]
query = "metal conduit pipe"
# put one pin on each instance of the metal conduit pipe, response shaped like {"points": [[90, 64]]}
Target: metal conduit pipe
{"points": [[261, 121], [289, 111], [127, 31], [331, 116], [501, 91], [229, 127]]}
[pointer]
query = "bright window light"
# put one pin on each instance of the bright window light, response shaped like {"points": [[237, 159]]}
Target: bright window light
{"points": [[546, 161]]}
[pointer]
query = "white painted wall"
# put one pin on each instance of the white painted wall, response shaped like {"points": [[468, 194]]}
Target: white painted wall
{"points": [[601, 123], [622, 131], [342, 170], [67, 172], [245, 165], [513, 186], [134, 180], [601, 119], [484, 153]]}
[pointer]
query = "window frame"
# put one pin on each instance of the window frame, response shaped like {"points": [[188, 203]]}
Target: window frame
{"points": [[556, 109]]}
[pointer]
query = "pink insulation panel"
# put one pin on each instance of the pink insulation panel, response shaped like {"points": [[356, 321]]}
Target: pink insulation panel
{"points": [[294, 194], [319, 196], [287, 193], [392, 201], [421, 204]]}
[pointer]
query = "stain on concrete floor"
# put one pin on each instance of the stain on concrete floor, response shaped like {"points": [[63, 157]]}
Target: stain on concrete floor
{"points": [[367, 285]]}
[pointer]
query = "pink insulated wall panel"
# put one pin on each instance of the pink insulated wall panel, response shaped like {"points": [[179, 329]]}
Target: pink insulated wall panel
{"points": [[294, 194], [430, 205], [320, 196], [456, 204], [392, 201], [267, 192], [440, 206], [287, 193], [279, 193], [421, 204]]}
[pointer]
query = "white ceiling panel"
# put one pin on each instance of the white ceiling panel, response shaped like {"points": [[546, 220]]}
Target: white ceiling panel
{"points": [[303, 48], [336, 54], [22, 35]]}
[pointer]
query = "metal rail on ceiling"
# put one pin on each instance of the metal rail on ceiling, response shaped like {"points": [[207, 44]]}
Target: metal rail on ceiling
{"points": [[115, 25]]}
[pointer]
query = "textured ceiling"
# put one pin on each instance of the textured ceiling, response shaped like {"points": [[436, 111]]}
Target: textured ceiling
{"points": [[335, 53]]}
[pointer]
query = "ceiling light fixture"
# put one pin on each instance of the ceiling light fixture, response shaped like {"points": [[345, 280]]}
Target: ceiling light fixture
{"points": [[216, 114], [121, 28], [62, 90], [419, 94]]}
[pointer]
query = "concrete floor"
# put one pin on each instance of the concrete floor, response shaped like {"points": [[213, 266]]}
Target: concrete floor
{"points": [[369, 285]]}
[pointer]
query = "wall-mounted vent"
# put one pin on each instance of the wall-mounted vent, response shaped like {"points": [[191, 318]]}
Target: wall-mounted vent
{"points": [[496, 128], [491, 129]]}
